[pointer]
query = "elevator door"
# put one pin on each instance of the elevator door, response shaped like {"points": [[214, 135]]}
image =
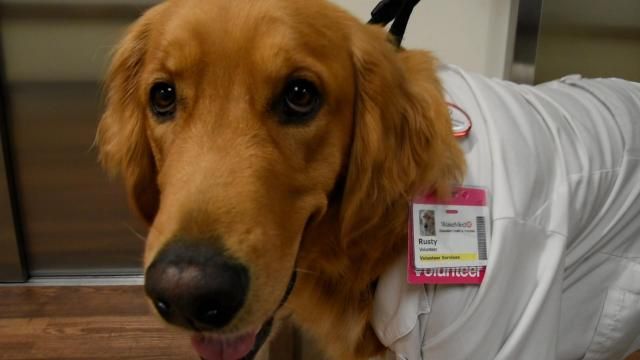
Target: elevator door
{"points": [[593, 38], [75, 221]]}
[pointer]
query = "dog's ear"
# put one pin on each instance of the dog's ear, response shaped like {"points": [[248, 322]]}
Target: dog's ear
{"points": [[121, 138], [403, 143]]}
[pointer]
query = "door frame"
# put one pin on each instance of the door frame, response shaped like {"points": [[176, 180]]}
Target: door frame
{"points": [[13, 261]]}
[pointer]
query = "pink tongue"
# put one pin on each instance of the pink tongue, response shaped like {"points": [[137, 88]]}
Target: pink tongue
{"points": [[223, 349]]}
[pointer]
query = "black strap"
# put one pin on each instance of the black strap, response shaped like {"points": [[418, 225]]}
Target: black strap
{"points": [[398, 11]]}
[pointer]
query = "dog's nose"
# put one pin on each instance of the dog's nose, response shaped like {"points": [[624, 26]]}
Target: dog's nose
{"points": [[195, 285]]}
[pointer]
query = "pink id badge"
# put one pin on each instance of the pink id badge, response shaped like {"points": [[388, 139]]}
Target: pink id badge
{"points": [[449, 240]]}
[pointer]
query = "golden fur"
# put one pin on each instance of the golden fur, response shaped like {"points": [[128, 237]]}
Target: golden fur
{"points": [[329, 198]]}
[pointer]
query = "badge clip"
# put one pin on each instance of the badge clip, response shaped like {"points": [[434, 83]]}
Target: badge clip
{"points": [[460, 121]]}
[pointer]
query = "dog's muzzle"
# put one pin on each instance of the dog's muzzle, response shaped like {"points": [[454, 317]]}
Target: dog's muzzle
{"points": [[195, 285]]}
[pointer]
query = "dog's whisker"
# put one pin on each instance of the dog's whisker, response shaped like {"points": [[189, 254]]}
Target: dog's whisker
{"points": [[135, 232], [306, 271]]}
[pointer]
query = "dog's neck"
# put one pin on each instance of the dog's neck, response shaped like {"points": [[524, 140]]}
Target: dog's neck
{"points": [[344, 274]]}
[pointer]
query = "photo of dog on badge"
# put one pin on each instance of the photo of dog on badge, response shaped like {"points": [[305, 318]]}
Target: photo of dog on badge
{"points": [[427, 223]]}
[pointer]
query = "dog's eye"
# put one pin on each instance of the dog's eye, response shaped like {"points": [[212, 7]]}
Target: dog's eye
{"points": [[299, 102], [163, 100]]}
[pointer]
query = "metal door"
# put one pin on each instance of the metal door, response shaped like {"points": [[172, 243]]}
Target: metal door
{"points": [[75, 221], [589, 37]]}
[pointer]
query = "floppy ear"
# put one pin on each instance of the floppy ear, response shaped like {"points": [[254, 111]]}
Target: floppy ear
{"points": [[121, 137], [403, 143]]}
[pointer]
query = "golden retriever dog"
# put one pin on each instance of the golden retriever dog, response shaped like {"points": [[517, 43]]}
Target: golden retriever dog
{"points": [[272, 147]]}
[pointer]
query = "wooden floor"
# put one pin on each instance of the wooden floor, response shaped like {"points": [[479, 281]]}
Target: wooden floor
{"points": [[79, 323], [105, 322], [102, 322]]}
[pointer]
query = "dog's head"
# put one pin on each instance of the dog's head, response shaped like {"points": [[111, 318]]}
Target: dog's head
{"points": [[238, 124]]}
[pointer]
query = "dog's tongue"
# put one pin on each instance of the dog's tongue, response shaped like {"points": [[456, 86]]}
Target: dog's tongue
{"points": [[223, 349]]}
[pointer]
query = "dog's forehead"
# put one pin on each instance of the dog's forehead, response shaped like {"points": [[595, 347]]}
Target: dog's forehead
{"points": [[233, 32]]}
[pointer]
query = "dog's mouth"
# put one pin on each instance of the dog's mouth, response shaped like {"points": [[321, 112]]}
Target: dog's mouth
{"points": [[244, 346], [212, 347]]}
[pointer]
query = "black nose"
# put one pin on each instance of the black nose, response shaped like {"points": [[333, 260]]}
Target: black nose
{"points": [[195, 285]]}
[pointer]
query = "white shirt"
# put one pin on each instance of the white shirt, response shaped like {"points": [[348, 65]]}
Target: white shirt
{"points": [[561, 162]]}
